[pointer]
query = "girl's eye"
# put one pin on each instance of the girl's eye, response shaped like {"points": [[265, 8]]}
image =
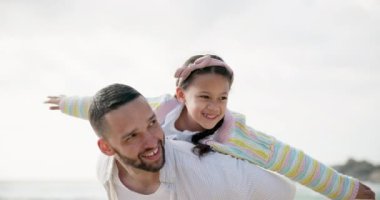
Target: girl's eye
{"points": [[223, 98], [204, 97]]}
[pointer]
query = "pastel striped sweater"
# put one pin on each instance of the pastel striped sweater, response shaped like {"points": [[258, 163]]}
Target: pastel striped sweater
{"points": [[235, 138]]}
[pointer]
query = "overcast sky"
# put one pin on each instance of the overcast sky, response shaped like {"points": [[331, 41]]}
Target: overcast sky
{"points": [[306, 71]]}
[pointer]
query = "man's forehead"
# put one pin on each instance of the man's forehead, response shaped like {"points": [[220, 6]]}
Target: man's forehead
{"points": [[137, 108]]}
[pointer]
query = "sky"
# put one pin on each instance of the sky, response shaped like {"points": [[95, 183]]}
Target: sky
{"points": [[306, 72]]}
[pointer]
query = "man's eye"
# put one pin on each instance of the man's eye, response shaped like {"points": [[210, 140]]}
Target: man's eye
{"points": [[152, 123], [131, 136], [204, 97]]}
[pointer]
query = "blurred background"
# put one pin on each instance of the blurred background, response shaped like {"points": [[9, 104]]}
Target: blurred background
{"points": [[306, 72]]}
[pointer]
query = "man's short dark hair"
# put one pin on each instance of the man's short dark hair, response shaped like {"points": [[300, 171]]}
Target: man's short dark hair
{"points": [[108, 99]]}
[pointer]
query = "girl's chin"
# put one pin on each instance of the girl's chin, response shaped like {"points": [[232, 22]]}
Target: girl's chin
{"points": [[208, 126]]}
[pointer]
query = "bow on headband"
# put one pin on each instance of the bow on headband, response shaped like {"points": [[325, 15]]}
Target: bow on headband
{"points": [[205, 61]]}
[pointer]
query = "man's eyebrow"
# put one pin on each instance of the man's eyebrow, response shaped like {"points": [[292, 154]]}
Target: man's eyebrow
{"points": [[151, 118], [126, 135]]}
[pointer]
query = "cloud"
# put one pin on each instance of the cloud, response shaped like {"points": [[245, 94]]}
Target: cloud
{"points": [[305, 70]]}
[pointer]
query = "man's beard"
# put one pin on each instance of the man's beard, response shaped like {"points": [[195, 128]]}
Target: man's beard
{"points": [[139, 163]]}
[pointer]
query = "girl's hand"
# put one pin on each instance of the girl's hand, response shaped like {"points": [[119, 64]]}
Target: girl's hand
{"points": [[54, 102], [365, 192]]}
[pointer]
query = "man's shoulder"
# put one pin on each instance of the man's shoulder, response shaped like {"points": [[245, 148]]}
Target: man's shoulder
{"points": [[105, 166], [179, 147], [180, 152]]}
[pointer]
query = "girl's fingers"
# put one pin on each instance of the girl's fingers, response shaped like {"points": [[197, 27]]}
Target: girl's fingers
{"points": [[54, 107]]}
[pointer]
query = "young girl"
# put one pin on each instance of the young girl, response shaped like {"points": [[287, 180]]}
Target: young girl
{"points": [[198, 114]]}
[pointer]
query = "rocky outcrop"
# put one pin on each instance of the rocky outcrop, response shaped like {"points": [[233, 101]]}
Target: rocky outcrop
{"points": [[362, 170]]}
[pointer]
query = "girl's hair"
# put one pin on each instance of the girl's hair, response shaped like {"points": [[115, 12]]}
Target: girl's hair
{"points": [[200, 148], [206, 70]]}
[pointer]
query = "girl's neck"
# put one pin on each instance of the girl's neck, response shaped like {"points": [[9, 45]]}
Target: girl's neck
{"points": [[185, 122]]}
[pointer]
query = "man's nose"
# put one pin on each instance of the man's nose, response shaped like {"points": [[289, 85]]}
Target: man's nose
{"points": [[150, 140]]}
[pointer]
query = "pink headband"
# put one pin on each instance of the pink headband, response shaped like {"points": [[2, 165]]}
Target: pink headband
{"points": [[205, 61]]}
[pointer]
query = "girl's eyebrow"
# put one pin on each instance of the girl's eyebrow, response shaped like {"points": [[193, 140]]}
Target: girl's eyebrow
{"points": [[206, 92]]}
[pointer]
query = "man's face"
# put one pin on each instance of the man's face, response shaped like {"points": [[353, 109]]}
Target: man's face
{"points": [[135, 136]]}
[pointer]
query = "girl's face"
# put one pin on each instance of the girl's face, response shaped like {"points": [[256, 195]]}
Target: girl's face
{"points": [[205, 102]]}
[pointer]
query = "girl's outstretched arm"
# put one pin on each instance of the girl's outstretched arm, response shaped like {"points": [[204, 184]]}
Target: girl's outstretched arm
{"points": [[77, 106], [71, 105], [266, 151]]}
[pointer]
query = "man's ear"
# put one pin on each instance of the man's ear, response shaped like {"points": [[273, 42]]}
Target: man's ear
{"points": [[105, 147], [180, 94]]}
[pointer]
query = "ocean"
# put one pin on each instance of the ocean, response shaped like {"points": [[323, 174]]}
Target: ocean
{"points": [[82, 190]]}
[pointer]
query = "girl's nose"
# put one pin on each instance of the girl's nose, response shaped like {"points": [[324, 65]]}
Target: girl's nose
{"points": [[212, 106]]}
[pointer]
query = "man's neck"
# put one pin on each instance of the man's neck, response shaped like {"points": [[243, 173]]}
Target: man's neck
{"points": [[138, 180]]}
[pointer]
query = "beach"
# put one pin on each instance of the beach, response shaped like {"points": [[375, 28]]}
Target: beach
{"points": [[92, 190]]}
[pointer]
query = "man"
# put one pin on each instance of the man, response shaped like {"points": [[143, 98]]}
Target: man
{"points": [[139, 164]]}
